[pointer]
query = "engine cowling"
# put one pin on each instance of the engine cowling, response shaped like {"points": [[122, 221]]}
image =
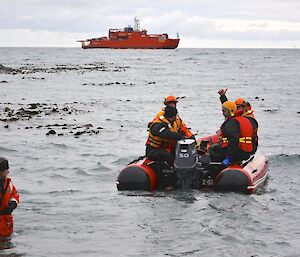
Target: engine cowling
{"points": [[186, 159]]}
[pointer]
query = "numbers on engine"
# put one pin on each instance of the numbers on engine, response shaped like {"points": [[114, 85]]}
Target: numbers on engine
{"points": [[184, 155]]}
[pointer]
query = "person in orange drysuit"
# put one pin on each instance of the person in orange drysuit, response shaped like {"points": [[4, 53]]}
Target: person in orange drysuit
{"points": [[162, 138], [183, 129], [9, 200]]}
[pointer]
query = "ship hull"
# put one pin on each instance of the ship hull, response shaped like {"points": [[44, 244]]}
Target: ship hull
{"points": [[130, 44]]}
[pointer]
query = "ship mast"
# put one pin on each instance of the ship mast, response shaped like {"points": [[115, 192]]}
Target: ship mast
{"points": [[136, 24]]}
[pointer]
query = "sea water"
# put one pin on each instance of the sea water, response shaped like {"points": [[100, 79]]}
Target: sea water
{"points": [[93, 107]]}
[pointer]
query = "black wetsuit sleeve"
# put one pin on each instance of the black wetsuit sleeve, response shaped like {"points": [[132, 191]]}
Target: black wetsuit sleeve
{"points": [[1, 186], [223, 98], [162, 130], [232, 132], [253, 122]]}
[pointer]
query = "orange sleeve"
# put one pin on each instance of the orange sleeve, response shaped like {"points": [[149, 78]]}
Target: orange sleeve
{"points": [[10, 194], [14, 195], [160, 113], [184, 129]]}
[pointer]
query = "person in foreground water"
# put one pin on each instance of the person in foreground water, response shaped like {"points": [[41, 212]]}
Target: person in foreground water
{"points": [[172, 101], [163, 135], [9, 199], [245, 110], [235, 135]]}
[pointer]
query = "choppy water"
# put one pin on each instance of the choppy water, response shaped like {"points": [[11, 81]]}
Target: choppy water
{"points": [[69, 202]]}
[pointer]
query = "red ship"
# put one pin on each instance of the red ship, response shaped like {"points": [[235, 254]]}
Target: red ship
{"points": [[131, 38]]}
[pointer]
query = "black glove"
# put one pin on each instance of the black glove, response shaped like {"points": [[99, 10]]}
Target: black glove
{"points": [[181, 136], [203, 144], [9, 209]]}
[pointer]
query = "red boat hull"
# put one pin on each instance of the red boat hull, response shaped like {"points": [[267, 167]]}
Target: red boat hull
{"points": [[138, 176], [132, 44], [244, 179], [247, 177]]}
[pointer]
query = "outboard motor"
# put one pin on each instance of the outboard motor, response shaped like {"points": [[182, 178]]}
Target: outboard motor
{"points": [[186, 159]]}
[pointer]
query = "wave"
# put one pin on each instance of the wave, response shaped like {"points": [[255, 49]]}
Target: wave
{"points": [[68, 191], [289, 157], [60, 145], [4, 149], [123, 160], [101, 167], [288, 160], [82, 172]]}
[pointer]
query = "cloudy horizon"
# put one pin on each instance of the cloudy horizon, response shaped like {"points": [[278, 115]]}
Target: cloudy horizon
{"points": [[202, 23]]}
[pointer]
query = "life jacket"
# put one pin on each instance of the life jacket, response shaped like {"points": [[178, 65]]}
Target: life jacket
{"points": [[180, 124], [246, 135], [159, 142], [249, 114], [8, 193]]}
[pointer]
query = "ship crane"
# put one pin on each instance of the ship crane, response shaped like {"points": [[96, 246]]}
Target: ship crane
{"points": [[136, 24]]}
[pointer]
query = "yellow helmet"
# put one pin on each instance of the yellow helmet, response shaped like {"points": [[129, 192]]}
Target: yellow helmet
{"points": [[230, 106]]}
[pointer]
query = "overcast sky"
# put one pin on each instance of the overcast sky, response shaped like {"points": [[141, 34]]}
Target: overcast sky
{"points": [[200, 23]]}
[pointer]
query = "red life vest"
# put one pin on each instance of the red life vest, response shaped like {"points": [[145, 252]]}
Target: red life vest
{"points": [[249, 114], [246, 135]]}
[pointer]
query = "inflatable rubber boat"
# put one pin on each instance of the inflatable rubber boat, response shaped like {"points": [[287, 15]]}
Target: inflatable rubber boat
{"points": [[194, 170]]}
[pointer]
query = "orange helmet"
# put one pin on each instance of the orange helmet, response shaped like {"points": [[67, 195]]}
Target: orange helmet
{"points": [[240, 101], [230, 106], [170, 98]]}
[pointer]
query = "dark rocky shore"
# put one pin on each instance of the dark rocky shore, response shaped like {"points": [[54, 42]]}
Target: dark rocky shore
{"points": [[11, 113], [31, 68]]}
